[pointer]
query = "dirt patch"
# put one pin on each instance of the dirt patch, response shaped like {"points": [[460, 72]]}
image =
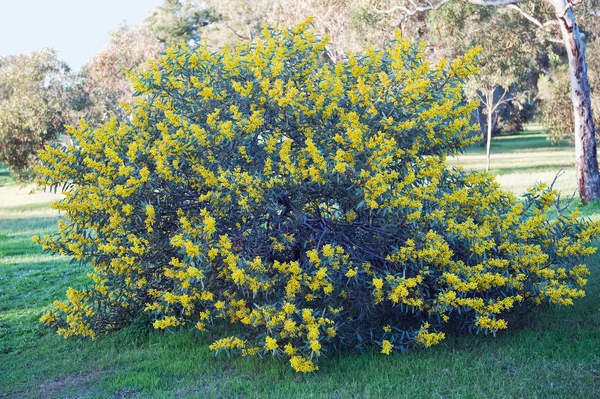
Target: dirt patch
{"points": [[54, 388], [128, 393]]}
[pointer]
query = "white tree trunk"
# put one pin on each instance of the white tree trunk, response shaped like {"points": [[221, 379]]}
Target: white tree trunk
{"points": [[489, 141], [588, 176]]}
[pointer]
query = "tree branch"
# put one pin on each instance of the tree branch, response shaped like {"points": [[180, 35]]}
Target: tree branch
{"points": [[492, 3], [236, 33], [503, 100], [532, 18], [409, 12], [481, 98]]}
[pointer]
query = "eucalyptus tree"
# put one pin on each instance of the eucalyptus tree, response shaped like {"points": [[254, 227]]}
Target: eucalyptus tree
{"points": [[553, 88], [34, 106], [176, 21], [508, 63], [548, 16], [104, 78]]}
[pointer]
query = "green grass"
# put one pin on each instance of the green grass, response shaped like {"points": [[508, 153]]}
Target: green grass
{"points": [[553, 353], [526, 141], [520, 161], [5, 177]]}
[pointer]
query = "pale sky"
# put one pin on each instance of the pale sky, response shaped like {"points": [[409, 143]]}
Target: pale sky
{"points": [[76, 29]]}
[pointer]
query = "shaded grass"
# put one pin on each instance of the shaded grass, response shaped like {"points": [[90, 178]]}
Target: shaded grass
{"points": [[527, 141], [26, 208], [5, 177]]}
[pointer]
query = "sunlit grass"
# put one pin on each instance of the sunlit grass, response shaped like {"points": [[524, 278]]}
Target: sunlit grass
{"points": [[521, 161]]}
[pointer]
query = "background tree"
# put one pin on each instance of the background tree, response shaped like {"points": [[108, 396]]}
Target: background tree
{"points": [[103, 78], [342, 21], [554, 92], [34, 106], [176, 21], [508, 63], [588, 175]]}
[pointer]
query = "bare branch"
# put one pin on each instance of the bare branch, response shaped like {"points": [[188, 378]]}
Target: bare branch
{"points": [[492, 3], [503, 101], [237, 34], [558, 174], [417, 9], [500, 101], [560, 209], [532, 18], [481, 98], [408, 12]]}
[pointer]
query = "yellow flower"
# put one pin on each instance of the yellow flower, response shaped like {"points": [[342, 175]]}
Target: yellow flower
{"points": [[168, 321], [302, 364], [288, 308], [313, 256], [378, 283], [424, 337], [315, 346], [386, 347], [289, 349], [271, 343], [327, 250]]}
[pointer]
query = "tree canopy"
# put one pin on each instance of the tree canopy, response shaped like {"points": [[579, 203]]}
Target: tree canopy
{"points": [[176, 21], [34, 106]]}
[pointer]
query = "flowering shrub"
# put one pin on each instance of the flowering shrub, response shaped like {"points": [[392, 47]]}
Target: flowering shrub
{"points": [[310, 205]]}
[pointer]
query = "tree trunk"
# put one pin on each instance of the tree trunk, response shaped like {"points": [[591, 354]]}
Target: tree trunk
{"points": [[489, 140], [490, 125], [586, 162]]}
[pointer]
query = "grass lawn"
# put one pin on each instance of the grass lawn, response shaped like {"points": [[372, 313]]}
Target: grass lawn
{"points": [[522, 160], [550, 354]]}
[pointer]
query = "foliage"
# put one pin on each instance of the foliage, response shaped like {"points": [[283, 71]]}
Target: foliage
{"points": [[33, 107], [103, 78], [556, 107], [509, 61], [307, 205], [175, 21]]}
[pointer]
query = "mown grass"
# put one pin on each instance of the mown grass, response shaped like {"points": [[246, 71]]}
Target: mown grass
{"points": [[554, 353], [522, 160]]}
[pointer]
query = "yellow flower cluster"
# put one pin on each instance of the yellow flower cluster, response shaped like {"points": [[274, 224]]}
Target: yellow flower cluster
{"points": [[426, 338], [302, 364]]}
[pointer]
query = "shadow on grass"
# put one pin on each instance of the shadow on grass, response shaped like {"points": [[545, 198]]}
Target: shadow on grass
{"points": [[530, 141], [27, 207], [5, 177], [529, 169]]}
